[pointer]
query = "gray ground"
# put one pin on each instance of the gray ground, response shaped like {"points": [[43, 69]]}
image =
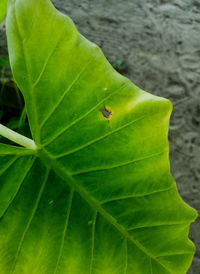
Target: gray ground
{"points": [[159, 42]]}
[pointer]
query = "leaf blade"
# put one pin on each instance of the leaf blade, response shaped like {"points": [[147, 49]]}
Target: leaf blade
{"points": [[76, 141]]}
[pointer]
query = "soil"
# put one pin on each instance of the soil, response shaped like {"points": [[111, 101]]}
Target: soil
{"points": [[156, 43]]}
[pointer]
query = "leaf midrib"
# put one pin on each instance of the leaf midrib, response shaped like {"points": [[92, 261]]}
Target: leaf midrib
{"points": [[35, 116], [53, 164], [68, 178]]}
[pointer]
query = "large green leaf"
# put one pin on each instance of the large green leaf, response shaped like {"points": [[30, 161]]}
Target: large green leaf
{"points": [[95, 196]]}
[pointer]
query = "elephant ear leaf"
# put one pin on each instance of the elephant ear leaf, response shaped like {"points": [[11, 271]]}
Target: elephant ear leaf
{"points": [[96, 195], [3, 8]]}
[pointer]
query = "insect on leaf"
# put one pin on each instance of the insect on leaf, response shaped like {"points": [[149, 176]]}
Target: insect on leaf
{"points": [[91, 198]]}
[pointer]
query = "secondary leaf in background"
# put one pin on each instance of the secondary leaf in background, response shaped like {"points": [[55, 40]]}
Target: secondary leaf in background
{"points": [[12, 110], [4, 63], [3, 8], [93, 197]]}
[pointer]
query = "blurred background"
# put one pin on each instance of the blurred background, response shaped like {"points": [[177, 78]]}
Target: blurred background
{"points": [[155, 43]]}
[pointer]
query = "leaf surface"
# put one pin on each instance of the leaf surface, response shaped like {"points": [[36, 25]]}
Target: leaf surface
{"points": [[3, 8], [96, 196]]}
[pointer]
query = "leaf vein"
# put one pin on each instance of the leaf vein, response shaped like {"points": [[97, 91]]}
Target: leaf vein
{"points": [[118, 165], [126, 256], [9, 164], [64, 231], [20, 185], [150, 262], [157, 225], [64, 94], [99, 138], [63, 173], [46, 61], [30, 220], [83, 116], [34, 109], [93, 241], [136, 195], [174, 254]]}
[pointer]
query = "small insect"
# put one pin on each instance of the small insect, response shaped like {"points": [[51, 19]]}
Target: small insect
{"points": [[107, 114]]}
